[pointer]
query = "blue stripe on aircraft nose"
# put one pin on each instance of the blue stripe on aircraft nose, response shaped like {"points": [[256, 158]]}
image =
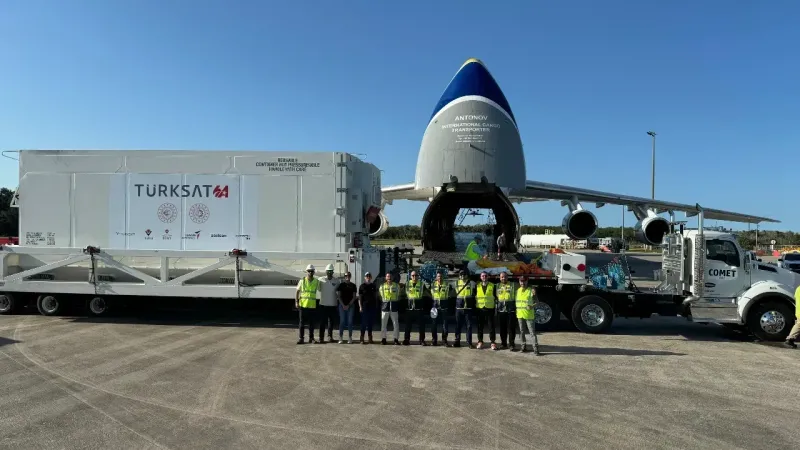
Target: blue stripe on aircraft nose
{"points": [[473, 79]]}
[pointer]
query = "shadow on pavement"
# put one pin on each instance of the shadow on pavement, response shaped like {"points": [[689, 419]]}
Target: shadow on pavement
{"points": [[7, 341], [608, 351]]}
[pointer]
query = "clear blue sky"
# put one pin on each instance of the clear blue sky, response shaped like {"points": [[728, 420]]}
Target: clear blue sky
{"points": [[717, 80]]}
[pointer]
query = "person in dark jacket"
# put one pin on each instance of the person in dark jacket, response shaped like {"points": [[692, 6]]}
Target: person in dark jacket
{"points": [[367, 305]]}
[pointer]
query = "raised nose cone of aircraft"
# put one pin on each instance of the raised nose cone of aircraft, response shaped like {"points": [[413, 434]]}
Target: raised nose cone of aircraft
{"points": [[472, 134], [471, 137], [473, 79]]}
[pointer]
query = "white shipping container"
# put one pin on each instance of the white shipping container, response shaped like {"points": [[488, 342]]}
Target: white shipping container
{"points": [[194, 200]]}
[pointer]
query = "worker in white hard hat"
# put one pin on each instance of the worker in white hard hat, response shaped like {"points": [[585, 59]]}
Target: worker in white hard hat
{"points": [[306, 303], [328, 303]]}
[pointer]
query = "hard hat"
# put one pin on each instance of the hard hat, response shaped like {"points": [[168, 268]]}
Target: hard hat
{"points": [[329, 268], [310, 268]]}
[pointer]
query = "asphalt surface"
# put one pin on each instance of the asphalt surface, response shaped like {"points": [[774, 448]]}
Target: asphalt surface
{"points": [[205, 380]]}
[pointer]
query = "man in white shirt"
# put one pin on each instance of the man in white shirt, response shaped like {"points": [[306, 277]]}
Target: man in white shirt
{"points": [[328, 303]]}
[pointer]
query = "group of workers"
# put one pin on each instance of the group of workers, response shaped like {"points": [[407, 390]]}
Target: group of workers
{"points": [[484, 302]]}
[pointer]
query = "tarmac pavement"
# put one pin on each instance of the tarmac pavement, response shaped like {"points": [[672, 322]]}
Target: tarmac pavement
{"points": [[205, 380]]}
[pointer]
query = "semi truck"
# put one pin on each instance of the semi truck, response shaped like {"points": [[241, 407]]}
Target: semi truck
{"points": [[101, 225], [705, 277]]}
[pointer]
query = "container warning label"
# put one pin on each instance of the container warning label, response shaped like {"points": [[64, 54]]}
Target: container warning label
{"points": [[39, 238], [287, 165]]}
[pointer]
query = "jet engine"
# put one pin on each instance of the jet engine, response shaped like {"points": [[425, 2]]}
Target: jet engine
{"points": [[579, 224], [651, 230], [379, 225]]}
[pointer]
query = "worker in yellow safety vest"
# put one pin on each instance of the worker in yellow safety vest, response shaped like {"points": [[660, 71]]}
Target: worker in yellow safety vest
{"points": [[526, 314], [305, 300], [389, 293], [465, 299], [795, 333], [471, 254], [440, 291], [505, 311], [484, 308], [416, 293]]}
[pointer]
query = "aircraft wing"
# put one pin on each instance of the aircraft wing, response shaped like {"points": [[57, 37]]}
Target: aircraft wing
{"points": [[539, 191], [405, 192]]}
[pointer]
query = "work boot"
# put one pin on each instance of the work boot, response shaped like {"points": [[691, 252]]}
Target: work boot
{"points": [[383, 341], [790, 343]]}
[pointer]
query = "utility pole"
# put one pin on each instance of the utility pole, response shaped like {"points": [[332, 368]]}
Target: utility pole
{"points": [[653, 173]]}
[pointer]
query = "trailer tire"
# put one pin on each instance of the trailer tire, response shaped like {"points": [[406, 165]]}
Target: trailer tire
{"points": [[97, 306], [48, 305], [592, 314], [770, 321], [8, 304], [547, 313]]}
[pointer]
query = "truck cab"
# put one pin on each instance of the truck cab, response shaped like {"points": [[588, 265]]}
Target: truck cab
{"points": [[728, 286]]}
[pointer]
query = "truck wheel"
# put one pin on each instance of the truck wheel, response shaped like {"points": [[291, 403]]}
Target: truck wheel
{"points": [[547, 314], [48, 305], [7, 304], [770, 321], [592, 314], [98, 306]]}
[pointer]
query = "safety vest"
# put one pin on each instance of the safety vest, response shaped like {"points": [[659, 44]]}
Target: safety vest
{"points": [[463, 292], [464, 289], [389, 292], [524, 299], [308, 293], [797, 303], [471, 254], [504, 301], [439, 292], [484, 298], [414, 294]]}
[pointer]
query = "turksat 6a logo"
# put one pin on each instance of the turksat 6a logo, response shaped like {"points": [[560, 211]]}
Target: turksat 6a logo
{"points": [[181, 190]]}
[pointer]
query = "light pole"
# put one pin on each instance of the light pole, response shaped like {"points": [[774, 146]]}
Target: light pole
{"points": [[653, 174]]}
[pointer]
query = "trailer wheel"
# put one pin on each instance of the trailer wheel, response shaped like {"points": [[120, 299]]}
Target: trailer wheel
{"points": [[547, 313], [770, 321], [7, 303], [48, 305], [98, 306], [592, 314]]}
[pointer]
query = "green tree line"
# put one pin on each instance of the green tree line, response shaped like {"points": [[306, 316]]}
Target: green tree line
{"points": [[9, 226], [747, 238]]}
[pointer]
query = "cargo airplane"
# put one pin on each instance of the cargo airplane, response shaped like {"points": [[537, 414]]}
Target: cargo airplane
{"points": [[471, 157]]}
